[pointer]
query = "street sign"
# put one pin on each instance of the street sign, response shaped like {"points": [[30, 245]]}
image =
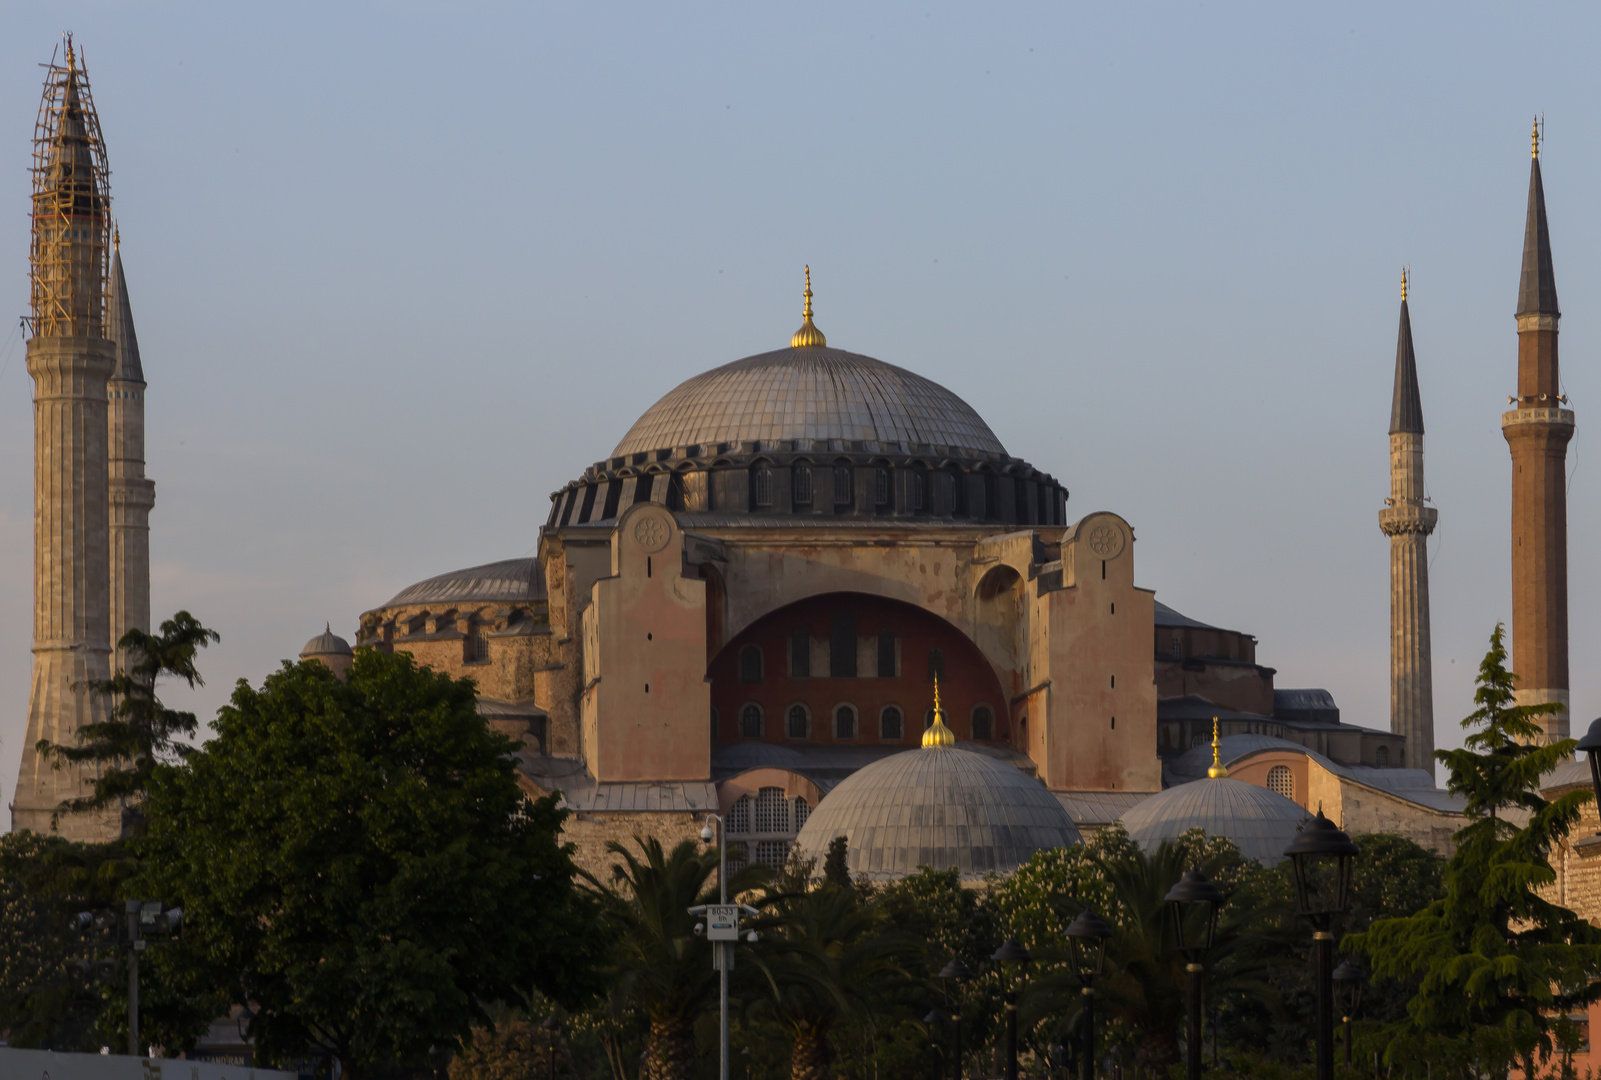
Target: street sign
{"points": [[722, 922]]}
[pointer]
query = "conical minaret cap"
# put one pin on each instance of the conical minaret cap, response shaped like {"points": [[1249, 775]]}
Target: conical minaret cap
{"points": [[1406, 406], [1537, 290], [119, 324]]}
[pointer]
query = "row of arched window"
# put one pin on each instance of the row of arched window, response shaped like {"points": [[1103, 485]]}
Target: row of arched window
{"points": [[843, 658], [764, 827], [802, 490], [846, 722]]}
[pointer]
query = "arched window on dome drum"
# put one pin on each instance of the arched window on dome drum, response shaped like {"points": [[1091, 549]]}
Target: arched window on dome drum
{"points": [[891, 726], [750, 721], [761, 486], [750, 664], [992, 504], [643, 487], [1281, 780], [1381, 757], [886, 654], [958, 492], [845, 722], [800, 653], [614, 495], [843, 493], [842, 646], [918, 483], [1044, 515], [800, 482], [588, 506], [675, 491], [798, 724], [883, 492], [1020, 498], [983, 723]]}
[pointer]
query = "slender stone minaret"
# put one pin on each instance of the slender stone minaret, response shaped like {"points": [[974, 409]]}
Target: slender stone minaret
{"points": [[70, 360], [1537, 431], [131, 494], [1407, 521]]}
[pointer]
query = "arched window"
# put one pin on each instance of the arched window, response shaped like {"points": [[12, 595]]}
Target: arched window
{"points": [[1281, 780], [983, 723], [886, 654], [992, 502], [675, 491], [761, 486], [772, 853], [882, 493], [803, 810], [845, 722], [1381, 757], [919, 486], [772, 811], [890, 725], [798, 722], [800, 653], [958, 492], [800, 482], [750, 721], [750, 664], [739, 815], [844, 494]]}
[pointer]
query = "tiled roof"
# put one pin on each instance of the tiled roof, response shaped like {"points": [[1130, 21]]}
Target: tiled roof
{"points": [[812, 394]]}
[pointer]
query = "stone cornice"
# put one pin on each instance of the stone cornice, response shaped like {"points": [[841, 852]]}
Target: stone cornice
{"points": [[1537, 321], [1553, 418], [1407, 520]]}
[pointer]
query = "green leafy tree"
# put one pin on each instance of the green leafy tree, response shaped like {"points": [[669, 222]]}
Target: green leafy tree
{"points": [[1497, 963], [357, 863], [659, 965], [826, 955], [141, 733]]}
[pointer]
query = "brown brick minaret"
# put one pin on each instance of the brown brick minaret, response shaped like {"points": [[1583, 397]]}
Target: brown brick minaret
{"points": [[1537, 430], [1407, 521]]}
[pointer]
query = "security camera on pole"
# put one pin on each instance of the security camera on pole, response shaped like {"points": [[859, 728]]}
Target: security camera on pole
{"points": [[722, 930]]}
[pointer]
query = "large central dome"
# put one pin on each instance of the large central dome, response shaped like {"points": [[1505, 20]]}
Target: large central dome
{"points": [[813, 393]]}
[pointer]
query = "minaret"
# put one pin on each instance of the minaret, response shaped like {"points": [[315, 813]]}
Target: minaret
{"points": [[70, 361], [1407, 521], [1537, 431], [131, 495]]}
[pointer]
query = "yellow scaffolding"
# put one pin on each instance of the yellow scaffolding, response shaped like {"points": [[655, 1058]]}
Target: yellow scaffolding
{"points": [[70, 254]]}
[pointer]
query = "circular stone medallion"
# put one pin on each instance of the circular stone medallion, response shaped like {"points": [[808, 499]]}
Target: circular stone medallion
{"points": [[1106, 540], [651, 532]]}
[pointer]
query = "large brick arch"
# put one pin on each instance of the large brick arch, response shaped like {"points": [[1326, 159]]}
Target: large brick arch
{"points": [[969, 681]]}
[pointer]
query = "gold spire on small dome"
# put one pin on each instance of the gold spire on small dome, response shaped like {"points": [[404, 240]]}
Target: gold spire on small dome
{"points": [[1217, 771], [116, 237], [1536, 138], [1403, 284], [808, 336], [938, 734]]}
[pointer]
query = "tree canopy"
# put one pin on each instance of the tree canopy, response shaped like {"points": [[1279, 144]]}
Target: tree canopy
{"points": [[358, 863]]}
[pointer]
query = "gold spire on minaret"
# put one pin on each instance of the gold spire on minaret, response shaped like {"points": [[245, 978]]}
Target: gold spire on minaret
{"points": [[808, 336], [1536, 138], [1403, 284], [1217, 771], [938, 734]]}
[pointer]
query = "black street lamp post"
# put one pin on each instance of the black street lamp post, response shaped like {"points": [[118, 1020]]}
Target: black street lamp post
{"points": [[551, 1026], [1012, 952], [1087, 935], [959, 973], [1194, 892], [1322, 856], [934, 1021], [1591, 745], [1348, 976]]}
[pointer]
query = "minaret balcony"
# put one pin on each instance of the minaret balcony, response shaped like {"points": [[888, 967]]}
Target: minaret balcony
{"points": [[1405, 519], [1562, 418]]}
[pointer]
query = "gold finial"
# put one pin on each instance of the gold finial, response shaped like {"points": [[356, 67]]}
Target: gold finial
{"points": [[808, 336], [1403, 284], [116, 237], [1536, 138], [1217, 771], [69, 52], [938, 734]]}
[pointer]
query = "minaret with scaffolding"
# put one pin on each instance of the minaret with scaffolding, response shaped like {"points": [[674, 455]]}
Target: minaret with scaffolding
{"points": [[71, 360]]}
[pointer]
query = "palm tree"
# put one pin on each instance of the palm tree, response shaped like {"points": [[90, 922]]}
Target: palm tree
{"points": [[659, 965], [828, 954], [1145, 983]]}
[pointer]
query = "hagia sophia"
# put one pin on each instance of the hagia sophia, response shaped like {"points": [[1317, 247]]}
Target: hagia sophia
{"points": [[812, 592]]}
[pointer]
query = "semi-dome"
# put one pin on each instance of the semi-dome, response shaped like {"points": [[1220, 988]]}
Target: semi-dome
{"points": [[1261, 823], [817, 394], [941, 807]]}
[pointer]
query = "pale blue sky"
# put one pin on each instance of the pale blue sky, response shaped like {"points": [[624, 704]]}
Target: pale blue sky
{"points": [[401, 270]]}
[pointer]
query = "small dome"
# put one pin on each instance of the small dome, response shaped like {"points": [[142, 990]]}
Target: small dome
{"points": [[813, 393], [326, 643], [1261, 823], [940, 807]]}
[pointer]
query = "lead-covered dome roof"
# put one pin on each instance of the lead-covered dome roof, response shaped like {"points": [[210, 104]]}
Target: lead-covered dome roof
{"points": [[815, 394], [939, 807], [1261, 823]]}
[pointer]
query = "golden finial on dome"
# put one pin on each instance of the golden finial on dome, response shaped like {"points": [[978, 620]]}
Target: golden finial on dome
{"points": [[938, 734], [1403, 284], [808, 336], [1536, 138], [116, 237], [1217, 771]]}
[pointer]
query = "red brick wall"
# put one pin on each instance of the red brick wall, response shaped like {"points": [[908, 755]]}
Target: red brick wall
{"points": [[969, 679]]}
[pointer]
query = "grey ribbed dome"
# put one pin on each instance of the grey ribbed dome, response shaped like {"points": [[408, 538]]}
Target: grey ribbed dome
{"points": [[940, 807], [810, 393], [1261, 823], [511, 581], [326, 643]]}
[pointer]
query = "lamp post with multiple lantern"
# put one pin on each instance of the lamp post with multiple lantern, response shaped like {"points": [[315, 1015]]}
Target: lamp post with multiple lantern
{"points": [[1321, 857]]}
